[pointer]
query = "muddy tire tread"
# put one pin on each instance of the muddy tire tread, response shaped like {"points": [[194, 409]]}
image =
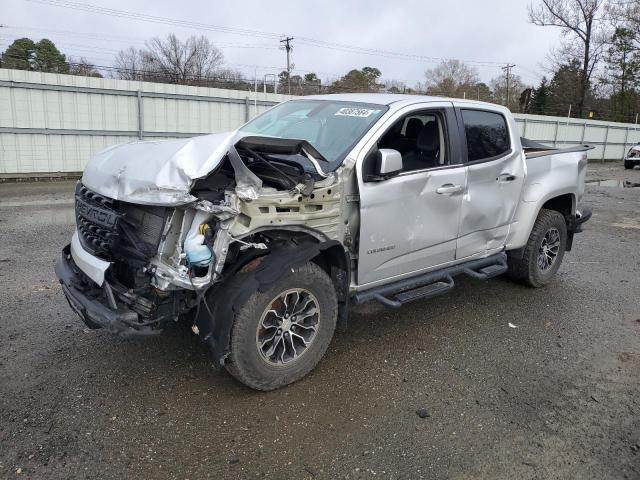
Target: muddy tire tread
{"points": [[524, 270], [243, 362]]}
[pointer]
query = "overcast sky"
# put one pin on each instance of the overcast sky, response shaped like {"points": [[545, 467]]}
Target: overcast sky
{"points": [[470, 30]]}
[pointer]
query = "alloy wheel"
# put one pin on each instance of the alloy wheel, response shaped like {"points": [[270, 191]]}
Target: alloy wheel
{"points": [[549, 248], [288, 327]]}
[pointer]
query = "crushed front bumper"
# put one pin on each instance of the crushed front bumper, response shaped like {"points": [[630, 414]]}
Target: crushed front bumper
{"points": [[91, 302]]}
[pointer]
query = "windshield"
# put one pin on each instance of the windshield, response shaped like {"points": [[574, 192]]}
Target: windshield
{"points": [[332, 127]]}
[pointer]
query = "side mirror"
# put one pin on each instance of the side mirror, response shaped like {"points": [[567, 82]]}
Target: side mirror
{"points": [[389, 162]]}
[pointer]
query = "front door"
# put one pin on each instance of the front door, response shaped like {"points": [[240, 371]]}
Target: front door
{"points": [[409, 223]]}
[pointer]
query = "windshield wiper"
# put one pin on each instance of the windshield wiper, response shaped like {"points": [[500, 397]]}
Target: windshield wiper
{"points": [[261, 159]]}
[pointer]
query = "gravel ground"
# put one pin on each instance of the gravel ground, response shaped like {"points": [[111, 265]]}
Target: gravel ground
{"points": [[556, 397]]}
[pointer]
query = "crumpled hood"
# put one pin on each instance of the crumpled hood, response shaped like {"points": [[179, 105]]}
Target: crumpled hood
{"points": [[156, 172]]}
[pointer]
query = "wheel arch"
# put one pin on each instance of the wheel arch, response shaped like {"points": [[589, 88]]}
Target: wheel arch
{"points": [[295, 246], [565, 204], [562, 202]]}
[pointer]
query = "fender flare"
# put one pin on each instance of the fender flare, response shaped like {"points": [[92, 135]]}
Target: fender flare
{"points": [[215, 320], [517, 253], [534, 207]]}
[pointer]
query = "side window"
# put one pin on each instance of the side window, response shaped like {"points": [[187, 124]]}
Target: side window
{"points": [[420, 139], [487, 134]]}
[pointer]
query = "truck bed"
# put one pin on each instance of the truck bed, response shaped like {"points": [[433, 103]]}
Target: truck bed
{"points": [[533, 149]]}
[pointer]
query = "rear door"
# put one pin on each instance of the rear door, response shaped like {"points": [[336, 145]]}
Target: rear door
{"points": [[409, 223], [495, 175]]}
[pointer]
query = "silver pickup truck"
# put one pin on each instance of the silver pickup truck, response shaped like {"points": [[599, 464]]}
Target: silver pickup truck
{"points": [[262, 238]]}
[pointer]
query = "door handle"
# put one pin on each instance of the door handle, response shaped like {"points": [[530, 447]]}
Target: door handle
{"points": [[506, 177], [448, 189]]}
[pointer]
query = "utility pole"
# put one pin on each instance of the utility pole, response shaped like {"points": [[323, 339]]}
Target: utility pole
{"points": [[287, 46], [507, 68]]}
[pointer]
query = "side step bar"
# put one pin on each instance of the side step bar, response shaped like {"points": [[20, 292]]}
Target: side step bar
{"points": [[431, 284]]}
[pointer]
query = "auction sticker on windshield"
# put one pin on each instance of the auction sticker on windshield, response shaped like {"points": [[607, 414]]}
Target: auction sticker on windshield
{"points": [[355, 112]]}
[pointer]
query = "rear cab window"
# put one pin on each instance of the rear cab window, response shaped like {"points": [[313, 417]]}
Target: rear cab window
{"points": [[487, 135]]}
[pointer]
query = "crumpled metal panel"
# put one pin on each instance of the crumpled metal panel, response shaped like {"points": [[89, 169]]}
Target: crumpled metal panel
{"points": [[248, 185], [489, 204], [156, 172]]}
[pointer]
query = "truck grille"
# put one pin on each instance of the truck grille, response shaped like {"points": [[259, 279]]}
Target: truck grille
{"points": [[113, 230]]}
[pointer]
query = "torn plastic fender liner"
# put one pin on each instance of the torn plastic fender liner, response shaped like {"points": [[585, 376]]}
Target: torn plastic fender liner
{"points": [[225, 298]]}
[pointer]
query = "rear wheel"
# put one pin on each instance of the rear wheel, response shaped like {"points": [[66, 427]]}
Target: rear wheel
{"points": [[629, 164], [279, 335], [544, 251]]}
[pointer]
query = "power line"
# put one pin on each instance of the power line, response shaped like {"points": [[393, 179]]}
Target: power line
{"points": [[140, 45], [90, 8], [96, 9]]}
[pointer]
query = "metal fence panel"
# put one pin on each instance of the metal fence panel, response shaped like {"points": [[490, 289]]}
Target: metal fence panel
{"points": [[610, 139], [54, 123]]}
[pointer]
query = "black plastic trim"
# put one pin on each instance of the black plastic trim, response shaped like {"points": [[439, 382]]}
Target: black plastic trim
{"points": [[473, 268], [578, 221]]}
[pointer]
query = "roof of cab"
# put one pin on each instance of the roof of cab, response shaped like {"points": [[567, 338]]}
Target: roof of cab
{"points": [[398, 99]]}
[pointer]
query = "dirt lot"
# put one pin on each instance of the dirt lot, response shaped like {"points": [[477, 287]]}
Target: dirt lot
{"points": [[556, 397]]}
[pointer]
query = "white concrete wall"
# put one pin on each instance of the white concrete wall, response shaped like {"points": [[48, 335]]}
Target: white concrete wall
{"points": [[53, 123]]}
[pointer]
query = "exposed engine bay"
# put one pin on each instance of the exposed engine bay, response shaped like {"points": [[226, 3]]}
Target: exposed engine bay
{"points": [[257, 186]]}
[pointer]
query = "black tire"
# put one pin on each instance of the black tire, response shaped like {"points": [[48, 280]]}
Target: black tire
{"points": [[246, 363], [527, 269], [629, 165]]}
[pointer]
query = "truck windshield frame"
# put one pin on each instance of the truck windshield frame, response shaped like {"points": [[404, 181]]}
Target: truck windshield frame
{"points": [[332, 127]]}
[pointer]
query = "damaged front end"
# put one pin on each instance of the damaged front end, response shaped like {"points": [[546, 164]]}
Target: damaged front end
{"points": [[147, 252]]}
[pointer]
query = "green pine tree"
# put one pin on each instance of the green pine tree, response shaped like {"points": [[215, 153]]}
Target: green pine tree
{"points": [[564, 92], [540, 100], [623, 65], [19, 55], [43, 56], [49, 59]]}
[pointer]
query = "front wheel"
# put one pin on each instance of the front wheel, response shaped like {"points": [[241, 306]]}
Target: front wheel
{"points": [[544, 250], [629, 164], [280, 334]]}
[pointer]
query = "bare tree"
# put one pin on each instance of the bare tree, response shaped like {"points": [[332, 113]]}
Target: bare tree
{"points": [[229, 78], [394, 86], [207, 57], [132, 64], [499, 88], [626, 13], [451, 78], [584, 22], [83, 67], [193, 61]]}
